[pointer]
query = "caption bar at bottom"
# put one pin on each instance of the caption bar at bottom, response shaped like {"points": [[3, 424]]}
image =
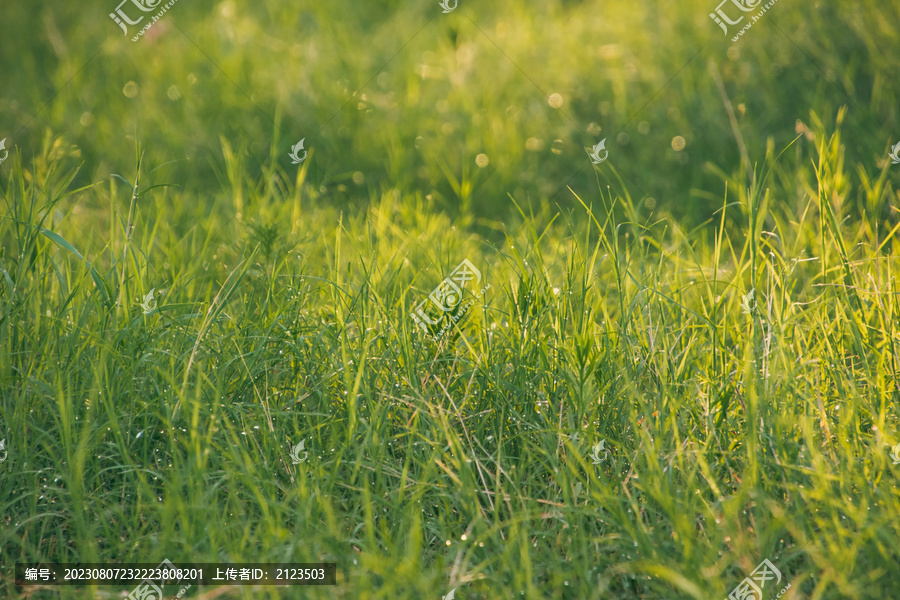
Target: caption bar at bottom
{"points": [[169, 573]]}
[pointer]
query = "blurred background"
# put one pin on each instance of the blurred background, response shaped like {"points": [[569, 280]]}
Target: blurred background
{"points": [[470, 112], [284, 291]]}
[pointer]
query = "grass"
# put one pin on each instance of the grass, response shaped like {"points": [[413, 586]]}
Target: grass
{"points": [[723, 318]]}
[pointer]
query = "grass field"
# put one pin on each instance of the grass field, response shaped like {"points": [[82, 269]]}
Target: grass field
{"points": [[685, 361]]}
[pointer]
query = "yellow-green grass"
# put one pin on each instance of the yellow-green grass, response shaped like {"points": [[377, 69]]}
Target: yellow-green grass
{"points": [[723, 317]]}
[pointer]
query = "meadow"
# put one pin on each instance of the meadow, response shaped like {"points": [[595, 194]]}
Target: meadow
{"points": [[685, 361]]}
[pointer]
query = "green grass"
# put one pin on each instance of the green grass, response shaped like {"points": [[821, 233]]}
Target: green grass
{"points": [[725, 318]]}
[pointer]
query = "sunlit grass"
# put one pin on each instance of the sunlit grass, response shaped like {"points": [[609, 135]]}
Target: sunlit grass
{"points": [[716, 303], [739, 427]]}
